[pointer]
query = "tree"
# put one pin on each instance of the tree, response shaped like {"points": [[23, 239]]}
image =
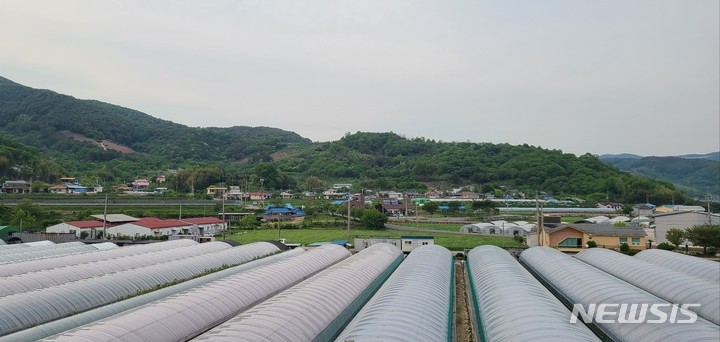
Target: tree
{"points": [[591, 244], [313, 183], [624, 248], [666, 246], [705, 236], [431, 207], [373, 219], [249, 221], [676, 236]]}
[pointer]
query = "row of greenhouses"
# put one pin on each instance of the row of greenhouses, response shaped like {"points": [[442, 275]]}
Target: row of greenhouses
{"points": [[182, 290]]}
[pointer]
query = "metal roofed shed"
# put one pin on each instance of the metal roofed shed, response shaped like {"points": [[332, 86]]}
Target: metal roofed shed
{"points": [[579, 283], [509, 304], [188, 314], [670, 285], [23, 310], [115, 218], [687, 264], [63, 325], [319, 307], [423, 283]]}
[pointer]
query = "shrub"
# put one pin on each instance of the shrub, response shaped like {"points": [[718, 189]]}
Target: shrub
{"points": [[591, 244], [666, 246], [519, 238], [624, 248]]}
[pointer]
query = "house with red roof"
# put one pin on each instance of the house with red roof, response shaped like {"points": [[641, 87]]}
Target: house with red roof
{"points": [[77, 227], [150, 226]]}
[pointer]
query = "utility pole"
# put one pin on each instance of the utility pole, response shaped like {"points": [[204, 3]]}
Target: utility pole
{"points": [[223, 213], [105, 218], [348, 215]]}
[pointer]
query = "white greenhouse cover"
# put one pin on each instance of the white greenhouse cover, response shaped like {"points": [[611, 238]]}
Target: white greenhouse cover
{"points": [[511, 305], [414, 304], [580, 283], [687, 264], [39, 243], [4, 248], [37, 246], [61, 275], [77, 259], [188, 314], [670, 285], [104, 246], [23, 310], [44, 252], [309, 309], [68, 323]]}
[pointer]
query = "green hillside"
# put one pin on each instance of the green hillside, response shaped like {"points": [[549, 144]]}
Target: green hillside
{"points": [[110, 144], [45, 119], [696, 176]]}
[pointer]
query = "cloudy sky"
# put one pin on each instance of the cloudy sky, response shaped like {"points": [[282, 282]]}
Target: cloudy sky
{"points": [[637, 76]]}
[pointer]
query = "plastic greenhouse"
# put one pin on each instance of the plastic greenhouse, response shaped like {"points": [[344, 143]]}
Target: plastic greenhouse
{"points": [[318, 308], [188, 314], [77, 259], [68, 323], [684, 263], [61, 275], [23, 310], [423, 283], [509, 304], [579, 283], [670, 285]]}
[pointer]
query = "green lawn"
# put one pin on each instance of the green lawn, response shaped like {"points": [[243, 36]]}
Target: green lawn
{"points": [[450, 227], [307, 236]]}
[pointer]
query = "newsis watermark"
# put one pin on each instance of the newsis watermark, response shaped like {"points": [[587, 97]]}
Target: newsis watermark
{"points": [[634, 313]]}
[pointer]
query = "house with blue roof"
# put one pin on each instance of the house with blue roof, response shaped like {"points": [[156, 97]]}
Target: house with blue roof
{"points": [[275, 213]]}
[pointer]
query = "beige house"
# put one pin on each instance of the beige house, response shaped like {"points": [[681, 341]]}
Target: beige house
{"points": [[574, 237]]}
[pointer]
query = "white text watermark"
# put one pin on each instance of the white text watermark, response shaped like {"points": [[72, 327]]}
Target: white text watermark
{"points": [[634, 313]]}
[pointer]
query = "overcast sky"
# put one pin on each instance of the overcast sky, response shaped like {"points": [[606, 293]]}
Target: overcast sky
{"points": [[638, 76]]}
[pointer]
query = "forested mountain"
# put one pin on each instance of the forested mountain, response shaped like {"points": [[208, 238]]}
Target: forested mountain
{"points": [[389, 161], [113, 145], [696, 176], [48, 120], [18, 161]]}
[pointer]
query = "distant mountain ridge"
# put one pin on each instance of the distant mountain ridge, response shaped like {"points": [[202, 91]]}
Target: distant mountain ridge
{"points": [[45, 119], [111, 144], [708, 156], [696, 174]]}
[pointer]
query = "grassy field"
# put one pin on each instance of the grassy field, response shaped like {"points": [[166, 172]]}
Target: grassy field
{"points": [[449, 227], [307, 236]]}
